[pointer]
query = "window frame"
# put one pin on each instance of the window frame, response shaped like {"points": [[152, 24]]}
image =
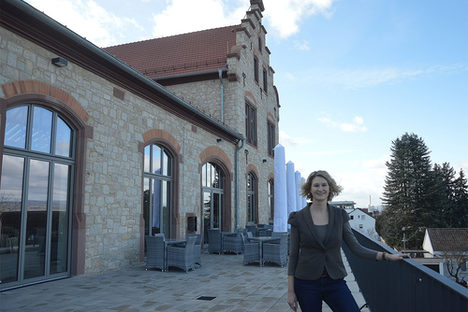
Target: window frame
{"points": [[271, 139], [168, 177], [271, 197], [256, 69], [265, 80], [54, 159], [250, 124], [252, 198]]}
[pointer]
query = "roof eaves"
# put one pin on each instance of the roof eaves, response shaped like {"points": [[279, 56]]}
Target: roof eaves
{"points": [[32, 14]]}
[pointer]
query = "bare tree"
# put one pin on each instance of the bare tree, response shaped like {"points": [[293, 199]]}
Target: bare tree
{"points": [[454, 263]]}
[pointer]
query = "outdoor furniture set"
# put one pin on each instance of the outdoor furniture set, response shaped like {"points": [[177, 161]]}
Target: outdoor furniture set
{"points": [[259, 249], [164, 253]]}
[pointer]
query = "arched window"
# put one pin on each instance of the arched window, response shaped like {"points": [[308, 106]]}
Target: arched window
{"points": [[36, 195], [157, 190], [213, 182], [252, 198], [271, 198]]}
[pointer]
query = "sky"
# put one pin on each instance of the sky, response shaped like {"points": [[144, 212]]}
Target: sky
{"points": [[352, 75]]}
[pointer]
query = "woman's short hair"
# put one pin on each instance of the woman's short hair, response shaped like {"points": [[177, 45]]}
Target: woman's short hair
{"points": [[334, 188]]}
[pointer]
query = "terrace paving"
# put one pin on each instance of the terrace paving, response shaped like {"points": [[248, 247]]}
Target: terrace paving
{"points": [[236, 288]]}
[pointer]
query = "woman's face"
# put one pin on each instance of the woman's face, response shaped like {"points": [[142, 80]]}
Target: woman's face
{"points": [[319, 189]]}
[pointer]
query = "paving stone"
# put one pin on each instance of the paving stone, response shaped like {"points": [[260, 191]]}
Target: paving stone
{"points": [[237, 288]]}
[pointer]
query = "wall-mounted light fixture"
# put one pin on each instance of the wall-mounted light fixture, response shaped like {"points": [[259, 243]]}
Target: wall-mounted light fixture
{"points": [[219, 140], [59, 62]]}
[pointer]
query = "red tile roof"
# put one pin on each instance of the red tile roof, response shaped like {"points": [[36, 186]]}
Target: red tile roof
{"points": [[449, 240], [180, 54]]}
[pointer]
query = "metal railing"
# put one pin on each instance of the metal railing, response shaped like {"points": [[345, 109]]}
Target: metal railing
{"points": [[404, 285]]}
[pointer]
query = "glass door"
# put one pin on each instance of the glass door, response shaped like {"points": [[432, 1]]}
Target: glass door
{"points": [[35, 197], [212, 211]]}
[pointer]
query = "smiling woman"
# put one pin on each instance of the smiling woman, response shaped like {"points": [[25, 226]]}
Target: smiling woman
{"points": [[316, 271]]}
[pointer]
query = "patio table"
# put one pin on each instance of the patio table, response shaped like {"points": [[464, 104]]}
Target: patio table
{"points": [[261, 240]]}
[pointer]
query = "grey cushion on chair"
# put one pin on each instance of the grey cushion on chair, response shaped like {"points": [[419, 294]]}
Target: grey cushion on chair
{"points": [[182, 257], [276, 251], [197, 249], [155, 252], [215, 241], [251, 250], [232, 242]]}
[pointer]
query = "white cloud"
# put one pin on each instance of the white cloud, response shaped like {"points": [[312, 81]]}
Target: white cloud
{"points": [[290, 76], [370, 77], [302, 45], [357, 124], [286, 15], [464, 166], [288, 141], [182, 16], [363, 185], [378, 163], [88, 19]]}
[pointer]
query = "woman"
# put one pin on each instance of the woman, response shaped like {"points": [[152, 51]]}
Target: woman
{"points": [[315, 269]]}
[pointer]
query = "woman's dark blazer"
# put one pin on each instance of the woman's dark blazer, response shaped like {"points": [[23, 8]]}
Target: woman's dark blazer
{"points": [[309, 256]]}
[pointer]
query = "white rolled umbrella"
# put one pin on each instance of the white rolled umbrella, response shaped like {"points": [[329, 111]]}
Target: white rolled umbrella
{"points": [[281, 212], [291, 187]]}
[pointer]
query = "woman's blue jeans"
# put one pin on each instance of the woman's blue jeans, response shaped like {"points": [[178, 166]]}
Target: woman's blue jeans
{"points": [[334, 292]]}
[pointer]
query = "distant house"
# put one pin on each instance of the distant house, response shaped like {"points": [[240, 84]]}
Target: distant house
{"points": [[446, 243], [359, 218], [363, 222], [345, 204]]}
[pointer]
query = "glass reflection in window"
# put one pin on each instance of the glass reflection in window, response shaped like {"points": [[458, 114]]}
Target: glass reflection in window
{"points": [[15, 127], [59, 235], [41, 130], [63, 139], [10, 216], [36, 218]]}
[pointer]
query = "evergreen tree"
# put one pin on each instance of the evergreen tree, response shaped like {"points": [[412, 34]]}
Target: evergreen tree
{"points": [[405, 198], [460, 198], [441, 193]]}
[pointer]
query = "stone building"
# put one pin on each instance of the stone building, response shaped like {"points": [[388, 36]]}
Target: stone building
{"points": [[100, 149]]}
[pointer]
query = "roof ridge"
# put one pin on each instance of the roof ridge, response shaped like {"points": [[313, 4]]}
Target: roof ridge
{"points": [[172, 36]]}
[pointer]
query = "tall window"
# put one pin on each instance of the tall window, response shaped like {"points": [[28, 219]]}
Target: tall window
{"points": [[251, 198], [271, 138], [157, 190], [213, 182], [265, 81], [256, 68], [250, 124], [271, 199], [260, 44], [35, 195]]}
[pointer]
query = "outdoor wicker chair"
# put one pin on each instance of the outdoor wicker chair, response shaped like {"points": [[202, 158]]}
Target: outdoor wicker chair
{"points": [[197, 248], [251, 250], [276, 251], [215, 242], [232, 242], [182, 257], [253, 229], [156, 252]]}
